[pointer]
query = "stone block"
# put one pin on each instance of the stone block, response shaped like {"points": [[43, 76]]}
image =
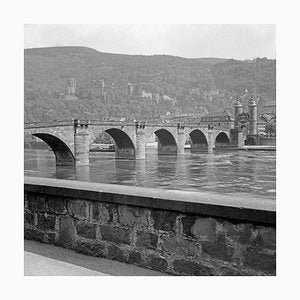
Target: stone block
{"points": [[116, 253], [56, 204], [157, 263], [35, 202], [256, 260], [66, 232], [51, 238], [266, 237], [164, 220], [46, 222], [134, 257], [78, 209], [28, 218], [204, 229], [115, 234], [218, 249], [90, 248], [187, 224], [185, 267], [146, 240], [100, 213], [178, 246], [131, 216], [239, 232], [25, 201], [244, 236], [34, 234], [85, 229]]}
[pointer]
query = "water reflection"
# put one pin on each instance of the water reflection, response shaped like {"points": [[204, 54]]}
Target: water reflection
{"points": [[82, 173], [223, 171], [181, 173], [125, 170], [140, 172]]}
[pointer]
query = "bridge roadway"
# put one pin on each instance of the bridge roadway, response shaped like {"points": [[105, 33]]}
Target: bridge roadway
{"points": [[71, 140]]}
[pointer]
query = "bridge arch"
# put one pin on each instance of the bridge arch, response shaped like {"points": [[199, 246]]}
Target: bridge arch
{"points": [[63, 154], [222, 140], [198, 140], [124, 145], [166, 142]]}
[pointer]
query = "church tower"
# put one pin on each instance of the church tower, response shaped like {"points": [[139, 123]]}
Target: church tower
{"points": [[238, 109], [252, 109]]}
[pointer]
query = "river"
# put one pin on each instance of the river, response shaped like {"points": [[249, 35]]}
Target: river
{"points": [[245, 172]]}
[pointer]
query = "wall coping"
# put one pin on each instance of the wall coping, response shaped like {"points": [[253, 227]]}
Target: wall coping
{"points": [[239, 207]]}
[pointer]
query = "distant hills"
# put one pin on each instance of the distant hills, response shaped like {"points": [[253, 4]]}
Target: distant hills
{"points": [[210, 60], [180, 85]]}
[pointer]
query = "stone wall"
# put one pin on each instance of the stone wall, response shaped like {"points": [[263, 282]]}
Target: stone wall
{"points": [[154, 228]]}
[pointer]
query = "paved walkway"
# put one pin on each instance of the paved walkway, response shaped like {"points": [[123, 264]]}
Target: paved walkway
{"points": [[48, 260]]}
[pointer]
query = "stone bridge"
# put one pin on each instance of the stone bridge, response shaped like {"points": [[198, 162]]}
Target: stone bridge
{"points": [[71, 140]]}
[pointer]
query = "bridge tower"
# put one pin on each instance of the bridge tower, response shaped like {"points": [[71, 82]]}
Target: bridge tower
{"points": [[238, 109], [252, 108]]}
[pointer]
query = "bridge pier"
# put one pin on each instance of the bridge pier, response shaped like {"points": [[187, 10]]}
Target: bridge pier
{"points": [[240, 138], [81, 144], [211, 141], [180, 139], [140, 142]]}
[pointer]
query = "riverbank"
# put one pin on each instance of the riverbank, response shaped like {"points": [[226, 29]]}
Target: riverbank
{"points": [[248, 148], [204, 234], [258, 148]]}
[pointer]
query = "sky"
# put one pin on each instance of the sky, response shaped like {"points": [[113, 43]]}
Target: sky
{"points": [[225, 41]]}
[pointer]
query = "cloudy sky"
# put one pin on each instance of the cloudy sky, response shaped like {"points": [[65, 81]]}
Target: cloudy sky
{"points": [[226, 41]]}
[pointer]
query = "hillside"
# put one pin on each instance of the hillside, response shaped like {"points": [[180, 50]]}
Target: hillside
{"points": [[210, 60], [180, 85]]}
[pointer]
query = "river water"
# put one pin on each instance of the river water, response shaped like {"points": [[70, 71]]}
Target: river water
{"points": [[245, 172]]}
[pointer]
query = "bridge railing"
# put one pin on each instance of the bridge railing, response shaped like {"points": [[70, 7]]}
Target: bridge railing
{"points": [[48, 124], [72, 122]]}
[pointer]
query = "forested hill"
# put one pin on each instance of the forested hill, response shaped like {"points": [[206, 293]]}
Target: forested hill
{"points": [[181, 85]]}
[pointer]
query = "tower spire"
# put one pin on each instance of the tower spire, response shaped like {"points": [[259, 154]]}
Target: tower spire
{"points": [[252, 108], [238, 109]]}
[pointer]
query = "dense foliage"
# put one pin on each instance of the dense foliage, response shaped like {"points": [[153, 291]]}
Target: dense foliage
{"points": [[193, 85]]}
